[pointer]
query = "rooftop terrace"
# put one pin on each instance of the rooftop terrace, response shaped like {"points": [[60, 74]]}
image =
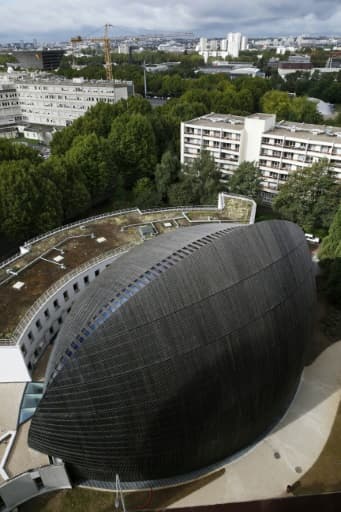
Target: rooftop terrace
{"points": [[54, 256]]}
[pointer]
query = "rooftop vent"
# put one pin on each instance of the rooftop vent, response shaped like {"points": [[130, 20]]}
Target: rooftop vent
{"points": [[18, 285]]}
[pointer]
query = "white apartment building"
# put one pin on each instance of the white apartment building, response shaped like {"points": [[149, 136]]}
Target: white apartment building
{"points": [[277, 148], [54, 101], [244, 43], [10, 112], [233, 43]]}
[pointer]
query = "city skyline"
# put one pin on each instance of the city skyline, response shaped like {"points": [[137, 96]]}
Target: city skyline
{"points": [[65, 19]]}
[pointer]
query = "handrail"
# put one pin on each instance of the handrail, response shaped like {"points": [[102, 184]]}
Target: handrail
{"points": [[100, 216], [55, 287]]}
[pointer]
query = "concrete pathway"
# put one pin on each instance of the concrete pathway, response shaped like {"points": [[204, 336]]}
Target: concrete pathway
{"points": [[290, 449]]}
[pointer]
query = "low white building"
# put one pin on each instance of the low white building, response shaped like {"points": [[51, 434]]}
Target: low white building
{"points": [[10, 112], [277, 148], [55, 101]]}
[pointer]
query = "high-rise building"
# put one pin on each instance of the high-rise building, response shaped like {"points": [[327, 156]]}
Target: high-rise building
{"points": [[203, 44], [233, 43], [244, 43]]}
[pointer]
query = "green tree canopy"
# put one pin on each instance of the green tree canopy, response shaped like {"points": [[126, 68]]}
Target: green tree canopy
{"points": [[133, 142], [10, 150], [331, 245], [167, 173], [29, 204], [88, 157], [310, 197], [298, 109], [203, 178], [330, 251], [145, 194], [245, 180]]}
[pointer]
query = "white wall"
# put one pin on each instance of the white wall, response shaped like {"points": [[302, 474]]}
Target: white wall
{"points": [[254, 128], [12, 365], [17, 362]]}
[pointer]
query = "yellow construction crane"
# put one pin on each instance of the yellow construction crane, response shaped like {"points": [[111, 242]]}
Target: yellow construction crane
{"points": [[106, 48]]}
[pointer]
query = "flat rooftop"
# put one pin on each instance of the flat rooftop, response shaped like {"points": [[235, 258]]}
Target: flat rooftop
{"points": [[70, 83], [39, 270], [220, 121], [313, 132]]}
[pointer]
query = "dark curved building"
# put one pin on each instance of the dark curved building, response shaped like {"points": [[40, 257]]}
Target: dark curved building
{"points": [[185, 350]]}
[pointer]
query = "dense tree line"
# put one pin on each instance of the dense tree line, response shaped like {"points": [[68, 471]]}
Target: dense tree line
{"points": [[126, 153], [310, 197], [330, 255]]}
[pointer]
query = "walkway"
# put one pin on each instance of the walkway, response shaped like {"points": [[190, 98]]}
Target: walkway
{"points": [[292, 447]]}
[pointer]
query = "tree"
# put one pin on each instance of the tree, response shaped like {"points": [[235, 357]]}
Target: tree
{"points": [[29, 202], [87, 156], [310, 197], [133, 141], [331, 245], [145, 194], [245, 180], [182, 193], [330, 253], [276, 102], [167, 172], [10, 151], [204, 179]]}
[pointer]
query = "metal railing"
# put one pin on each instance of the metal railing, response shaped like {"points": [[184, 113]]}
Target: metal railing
{"points": [[70, 275], [36, 306], [101, 216], [71, 225]]}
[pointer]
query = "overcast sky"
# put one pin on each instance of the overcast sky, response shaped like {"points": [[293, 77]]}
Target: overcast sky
{"points": [[61, 19]]}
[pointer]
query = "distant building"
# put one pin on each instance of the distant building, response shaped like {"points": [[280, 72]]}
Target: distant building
{"points": [[171, 47], [233, 70], [233, 43], [293, 64], [334, 62], [39, 59], [10, 112], [53, 101], [244, 43], [203, 44], [278, 148], [124, 48]]}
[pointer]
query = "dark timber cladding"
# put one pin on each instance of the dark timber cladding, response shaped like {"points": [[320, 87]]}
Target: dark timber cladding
{"points": [[193, 361]]}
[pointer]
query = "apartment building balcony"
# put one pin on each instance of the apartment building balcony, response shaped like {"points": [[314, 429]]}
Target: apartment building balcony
{"points": [[269, 185], [228, 157], [272, 142], [296, 150], [230, 136], [193, 142], [336, 163], [233, 152]]}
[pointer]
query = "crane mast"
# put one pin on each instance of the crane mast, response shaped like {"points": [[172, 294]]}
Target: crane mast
{"points": [[106, 48]]}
